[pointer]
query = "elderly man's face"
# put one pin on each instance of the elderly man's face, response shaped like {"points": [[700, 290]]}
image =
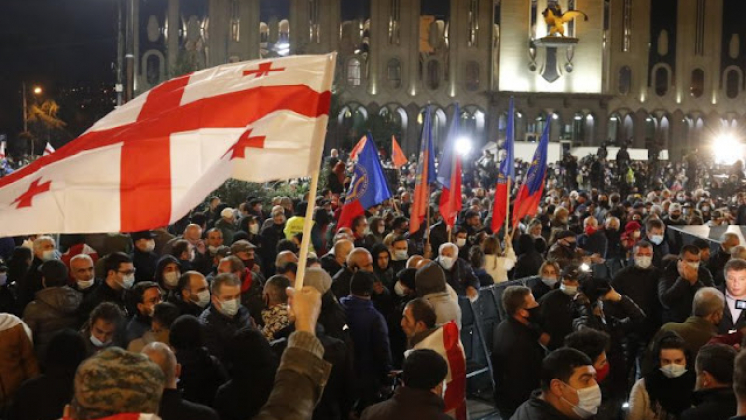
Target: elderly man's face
{"points": [[448, 251]]}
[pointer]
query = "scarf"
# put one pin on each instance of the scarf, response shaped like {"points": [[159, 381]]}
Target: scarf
{"points": [[673, 394]]}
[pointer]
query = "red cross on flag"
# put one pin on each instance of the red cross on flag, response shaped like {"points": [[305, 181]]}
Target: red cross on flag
{"points": [[149, 162]]}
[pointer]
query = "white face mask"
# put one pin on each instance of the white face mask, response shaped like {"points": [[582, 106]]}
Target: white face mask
{"points": [[643, 262], [98, 343], [460, 242], [149, 246], [549, 281], [171, 278], [213, 249], [254, 229], [446, 262], [84, 284], [49, 255], [381, 229], [401, 255], [229, 308], [694, 265], [589, 399], [673, 370], [656, 239], [569, 290], [203, 298], [128, 281]]}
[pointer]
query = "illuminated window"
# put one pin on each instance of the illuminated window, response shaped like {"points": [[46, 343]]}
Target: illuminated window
{"points": [[235, 21], [314, 12], [394, 21], [473, 26], [353, 72], [625, 80], [697, 86], [393, 73], [626, 25]]}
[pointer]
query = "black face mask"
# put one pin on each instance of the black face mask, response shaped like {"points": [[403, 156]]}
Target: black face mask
{"points": [[534, 315]]}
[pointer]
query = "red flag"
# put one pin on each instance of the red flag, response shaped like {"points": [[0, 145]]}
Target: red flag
{"points": [[358, 148], [397, 156], [425, 176], [505, 175], [48, 149], [152, 160], [450, 198], [532, 189], [367, 188]]}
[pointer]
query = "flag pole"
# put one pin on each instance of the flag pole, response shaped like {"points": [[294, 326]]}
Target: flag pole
{"points": [[507, 210], [307, 225], [427, 222]]}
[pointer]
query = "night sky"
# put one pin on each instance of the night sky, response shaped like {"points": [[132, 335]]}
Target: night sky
{"points": [[63, 43], [53, 43]]}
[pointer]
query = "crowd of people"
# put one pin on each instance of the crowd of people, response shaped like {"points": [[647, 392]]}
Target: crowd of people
{"points": [[616, 314]]}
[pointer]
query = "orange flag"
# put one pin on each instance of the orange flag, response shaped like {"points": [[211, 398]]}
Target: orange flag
{"points": [[397, 156], [358, 147]]}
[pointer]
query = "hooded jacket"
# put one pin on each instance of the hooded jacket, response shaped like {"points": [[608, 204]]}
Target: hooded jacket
{"points": [[17, 358], [53, 309], [537, 409]]}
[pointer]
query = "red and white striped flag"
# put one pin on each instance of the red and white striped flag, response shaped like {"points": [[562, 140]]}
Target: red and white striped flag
{"points": [[446, 341], [2, 149], [48, 149], [149, 162]]}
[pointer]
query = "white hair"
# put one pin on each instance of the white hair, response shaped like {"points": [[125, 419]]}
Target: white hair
{"points": [[446, 245], [81, 257], [38, 242]]}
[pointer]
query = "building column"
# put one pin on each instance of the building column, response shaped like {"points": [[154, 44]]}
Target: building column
{"points": [[249, 31], [299, 26], [411, 35], [172, 47], [219, 33], [377, 39]]}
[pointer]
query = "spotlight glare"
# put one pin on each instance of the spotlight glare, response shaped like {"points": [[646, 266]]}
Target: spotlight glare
{"points": [[463, 146], [726, 149]]}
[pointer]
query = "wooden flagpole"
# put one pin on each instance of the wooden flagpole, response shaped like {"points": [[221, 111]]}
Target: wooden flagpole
{"points": [[307, 225], [507, 209]]}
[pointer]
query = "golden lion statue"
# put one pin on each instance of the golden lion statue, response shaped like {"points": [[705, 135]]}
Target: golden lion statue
{"points": [[554, 17]]}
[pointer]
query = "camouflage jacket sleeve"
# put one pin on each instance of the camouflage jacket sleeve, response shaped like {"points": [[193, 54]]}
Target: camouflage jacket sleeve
{"points": [[299, 382]]}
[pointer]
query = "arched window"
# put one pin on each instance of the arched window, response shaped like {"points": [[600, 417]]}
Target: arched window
{"points": [[353, 72], [697, 86], [472, 75], [625, 80], [433, 74], [393, 73], [661, 81], [732, 83]]}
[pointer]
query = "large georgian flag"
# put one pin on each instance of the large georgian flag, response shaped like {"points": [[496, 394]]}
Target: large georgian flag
{"points": [[149, 162]]}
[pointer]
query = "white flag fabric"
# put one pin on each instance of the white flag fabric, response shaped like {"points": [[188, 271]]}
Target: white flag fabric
{"points": [[48, 149], [2, 149], [446, 341], [149, 162]]}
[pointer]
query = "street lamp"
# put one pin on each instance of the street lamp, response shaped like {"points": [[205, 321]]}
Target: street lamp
{"points": [[37, 90]]}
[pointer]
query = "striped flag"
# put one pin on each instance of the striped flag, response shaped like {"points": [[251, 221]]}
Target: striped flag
{"points": [[48, 149], [449, 175], [425, 176], [527, 200], [507, 172]]}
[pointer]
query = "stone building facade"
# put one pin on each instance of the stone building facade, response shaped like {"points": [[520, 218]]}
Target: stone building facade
{"points": [[664, 73]]}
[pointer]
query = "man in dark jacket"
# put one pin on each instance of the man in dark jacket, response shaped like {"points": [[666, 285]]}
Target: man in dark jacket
{"points": [[656, 235], [564, 374], [359, 259], [370, 336], [335, 259], [143, 298], [225, 316], [680, 282], [558, 309], [420, 397], [143, 257], [459, 273], [45, 249], [120, 276], [734, 317], [713, 395], [172, 406], [54, 308], [193, 293], [517, 354]]}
